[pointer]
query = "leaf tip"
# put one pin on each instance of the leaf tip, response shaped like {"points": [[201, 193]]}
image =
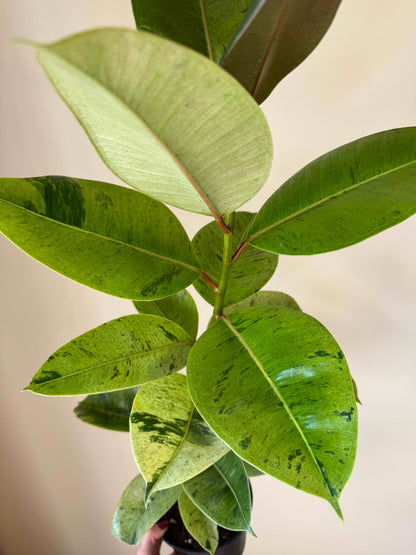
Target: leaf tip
{"points": [[336, 507], [26, 42], [251, 531]]}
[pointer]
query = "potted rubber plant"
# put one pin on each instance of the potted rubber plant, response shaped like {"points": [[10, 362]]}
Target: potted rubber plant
{"points": [[173, 110]]}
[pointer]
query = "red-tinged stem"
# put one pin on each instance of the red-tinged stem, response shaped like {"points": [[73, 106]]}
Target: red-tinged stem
{"points": [[210, 281], [239, 251]]}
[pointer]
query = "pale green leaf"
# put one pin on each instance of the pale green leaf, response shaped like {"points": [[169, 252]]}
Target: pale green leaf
{"points": [[203, 529], [171, 442], [179, 308], [132, 519], [250, 272], [119, 354], [107, 237], [275, 386], [343, 197], [274, 38], [207, 26], [222, 493], [165, 119], [108, 410]]}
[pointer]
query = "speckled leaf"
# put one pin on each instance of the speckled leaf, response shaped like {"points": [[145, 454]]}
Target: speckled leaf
{"points": [[132, 519], [251, 271], [165, 119], [179, 308], [275, 386], [274, 299], [222, 493], [107, 237], [207, 26], [171, 442], [343, 197], [198, 525], [274, 38], [119, 354], [108, 410]]}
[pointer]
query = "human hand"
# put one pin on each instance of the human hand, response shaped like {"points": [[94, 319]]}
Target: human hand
{"points": [[152, 540]]}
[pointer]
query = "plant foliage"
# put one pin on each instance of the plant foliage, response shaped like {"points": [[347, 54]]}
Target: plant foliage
{"points": [[267, 388]]}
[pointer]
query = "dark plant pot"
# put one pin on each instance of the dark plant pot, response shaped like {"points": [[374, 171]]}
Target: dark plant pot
{"points": [[232, 544]]}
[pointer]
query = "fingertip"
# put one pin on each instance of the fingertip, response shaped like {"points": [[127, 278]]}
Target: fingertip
{"points": [[160, 528]]}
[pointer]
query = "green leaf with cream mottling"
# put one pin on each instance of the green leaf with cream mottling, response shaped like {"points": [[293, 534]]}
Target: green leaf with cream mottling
{"points": [[106, 237], [274, 385], [274, 299], [207, 26], [251, 271], [222, 493], [343, 197], [108, 410], [274, 38], [171, 442], [203, 529], [119, 354], [165, 119], [179, 308], [132, 519]]}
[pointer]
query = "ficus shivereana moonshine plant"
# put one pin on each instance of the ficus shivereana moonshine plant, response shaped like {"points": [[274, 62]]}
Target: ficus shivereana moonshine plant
{"points": [[173, 110]]}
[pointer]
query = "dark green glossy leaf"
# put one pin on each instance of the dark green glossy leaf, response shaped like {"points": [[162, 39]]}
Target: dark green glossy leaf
{"points": [[275, 37], [207, 26], [167, 121], [222, 493], [107, 237], [132, 519], [274, 385], [179, 308], [171, 442], [343, 197], [198, 525], [108, 410], [119, 354], [251, 271]]}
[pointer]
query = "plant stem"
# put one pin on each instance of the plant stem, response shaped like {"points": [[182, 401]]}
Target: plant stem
{"points": [[227, 262]]}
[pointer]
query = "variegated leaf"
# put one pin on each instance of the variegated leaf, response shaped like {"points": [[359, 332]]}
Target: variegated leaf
{"points": [[171, 442], [222, 493], [203, 529], [119, 354], [132, 519]]}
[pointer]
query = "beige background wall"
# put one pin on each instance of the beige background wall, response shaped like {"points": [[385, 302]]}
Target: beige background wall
{"points": [[61, 479]]}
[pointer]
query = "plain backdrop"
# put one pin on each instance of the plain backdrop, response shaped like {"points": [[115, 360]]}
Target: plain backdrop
{"points": [[60, 478]]}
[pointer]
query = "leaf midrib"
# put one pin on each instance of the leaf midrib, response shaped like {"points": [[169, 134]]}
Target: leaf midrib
{"points": [[177, 450], [104, 237], [206, 30], [275, 389], [326, 199], [269, 47], [112, 361], [173, 157], [95, 408]]}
